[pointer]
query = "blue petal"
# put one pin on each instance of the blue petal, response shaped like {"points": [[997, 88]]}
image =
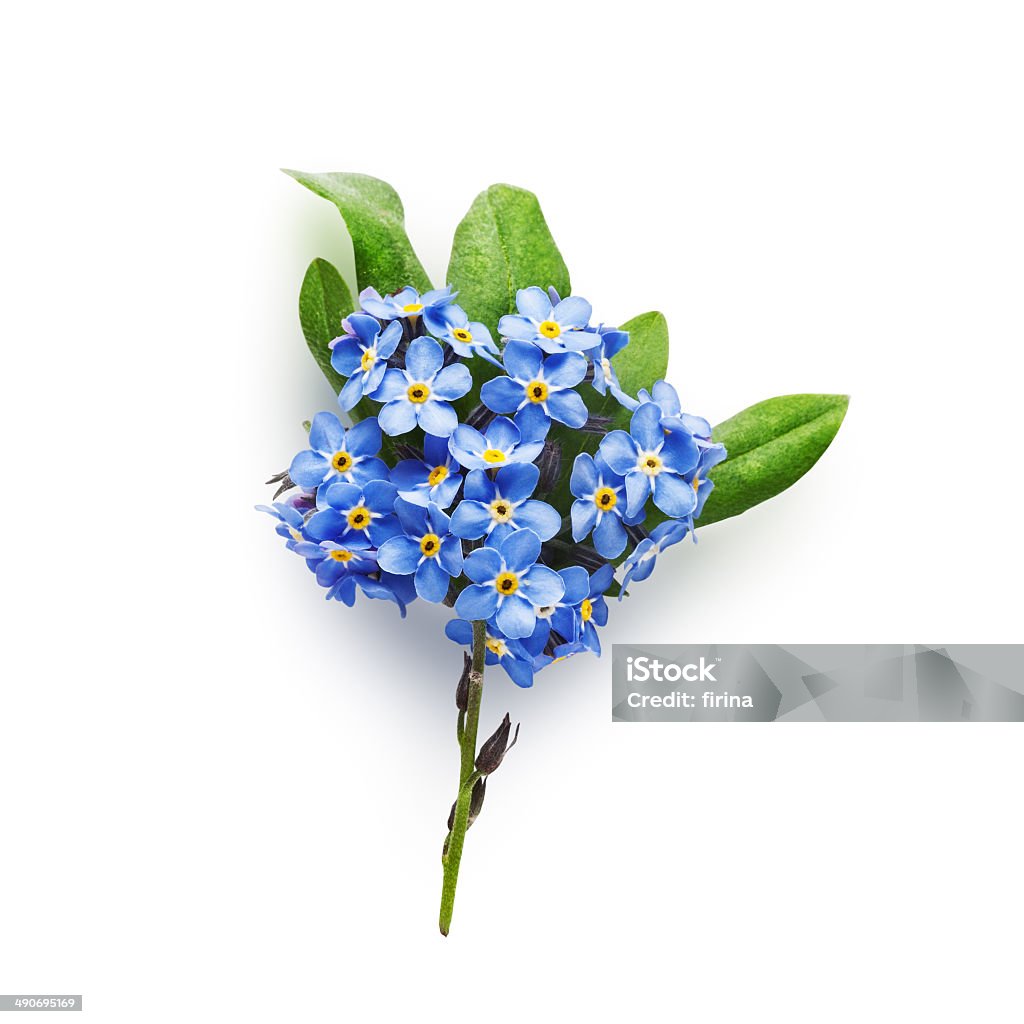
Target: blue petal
{"points": [[539, 517], [479, 486], [432, 581], [645, 427], [341, 495], [673, 495], [565, 370], [482, 565], [567, 407], [398, 417], [399, 555], [326, 434], [584, 515], [517, 481], [534, 303], [451, 555], [452, 382], [308, 469], [542, 586], [364, 327], [680, 452], [326, 525], [394, 385], [520, 672], [459, 630], [666, 396], [423, 359], [477, 601], [502, 434], [435, 450], [413, 517], [409, 473], [364, 438], [619, 450], [601, 580], [470, 519], [533, 422], [348, 397], [520, 550], [346, 356], [577, 584], [638, 487], [388, 341], [502, 394], [573, 312], [379, 495], [522, 360], [610, 536], [516, 617], [583, 481], [368, 469], [517, 328], [436, 417]]}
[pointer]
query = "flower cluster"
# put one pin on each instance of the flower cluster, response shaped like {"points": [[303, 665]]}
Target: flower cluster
{"points": [[453, 491]]}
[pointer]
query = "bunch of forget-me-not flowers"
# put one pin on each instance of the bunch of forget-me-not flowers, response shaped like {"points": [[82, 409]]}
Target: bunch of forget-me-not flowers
{"points": [[411, 502]]}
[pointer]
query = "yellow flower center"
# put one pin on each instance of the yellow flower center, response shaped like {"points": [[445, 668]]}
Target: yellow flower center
{"points": [[367, 361], [461, 334], [359, 518], [295, 533], [550, 329], [437, 475], [507, 583], [418, 393], [493, 455], [341, 461], [412, 308], [429, 544], [501, 510], [537, 391], [649, 463], [605, 499], [340, 555], [696, 481], [587, 609], [496, 646]]}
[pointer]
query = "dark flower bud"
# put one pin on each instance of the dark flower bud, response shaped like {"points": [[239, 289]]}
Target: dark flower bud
{"points": [[407, 451], [596, 425], [479, 418], [496, 747], [476, 799], [284, 482], [636, 534], [462, 690], [549, 463]]}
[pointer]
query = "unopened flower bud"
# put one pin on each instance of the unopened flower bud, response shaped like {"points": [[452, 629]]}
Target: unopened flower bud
{"points": [[476, 799], [496, 747], [462, 690]]}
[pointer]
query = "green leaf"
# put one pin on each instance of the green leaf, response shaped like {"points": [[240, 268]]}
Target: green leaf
{"points": [[324, 301], [771, 445], [375, 219], [645, 359], [501, 245]]}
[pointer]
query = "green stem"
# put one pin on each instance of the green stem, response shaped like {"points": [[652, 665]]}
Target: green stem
{"points": [[452, 855]]}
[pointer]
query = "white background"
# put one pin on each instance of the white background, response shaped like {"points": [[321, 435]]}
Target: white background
{"points": [[222, 798]]}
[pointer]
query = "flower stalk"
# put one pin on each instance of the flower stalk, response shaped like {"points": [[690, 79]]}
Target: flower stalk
{"points": [[451, 856]]}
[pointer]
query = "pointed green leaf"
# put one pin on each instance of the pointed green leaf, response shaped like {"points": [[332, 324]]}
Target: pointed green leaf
{"points": [[375, 219], [771, 445], [501, 245], [645, 359], [324, 301]]}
